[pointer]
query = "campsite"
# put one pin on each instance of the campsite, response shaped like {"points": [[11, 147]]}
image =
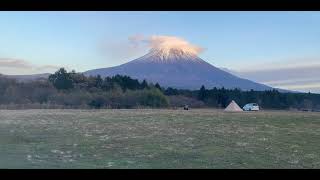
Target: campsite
{"points": [[159, 89], [158, 138]]}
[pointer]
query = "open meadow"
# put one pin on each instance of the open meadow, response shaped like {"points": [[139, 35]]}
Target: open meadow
{"points": [[146, 138]]}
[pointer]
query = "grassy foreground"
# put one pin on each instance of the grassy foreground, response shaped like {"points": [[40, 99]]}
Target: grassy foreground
{"points": [[199, 138]]}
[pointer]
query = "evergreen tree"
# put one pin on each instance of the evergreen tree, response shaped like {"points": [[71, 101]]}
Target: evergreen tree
{"points": [[61, 79], [158, 86], [202, 93], [99, 81], [144, 84]]}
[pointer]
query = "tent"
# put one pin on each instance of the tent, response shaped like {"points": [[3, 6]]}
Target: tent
{"points": [[233, 107]]}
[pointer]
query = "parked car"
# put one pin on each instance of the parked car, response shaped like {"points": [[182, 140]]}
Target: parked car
{"points": [[251, 107]]}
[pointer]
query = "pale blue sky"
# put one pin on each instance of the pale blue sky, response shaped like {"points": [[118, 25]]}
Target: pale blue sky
{"points": [[231, 39]]}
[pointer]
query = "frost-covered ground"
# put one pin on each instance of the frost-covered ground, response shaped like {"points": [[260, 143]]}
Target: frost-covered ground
{"points": [[199, 138]]}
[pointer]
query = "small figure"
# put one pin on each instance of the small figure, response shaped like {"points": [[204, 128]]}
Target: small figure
{"points": [[186, 107]]}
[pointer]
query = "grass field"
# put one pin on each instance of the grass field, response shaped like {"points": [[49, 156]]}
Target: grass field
{"points": [[199, 138]]}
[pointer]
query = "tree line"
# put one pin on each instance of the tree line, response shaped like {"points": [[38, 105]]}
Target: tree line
{"points": [[74, 90], [269, 99]]}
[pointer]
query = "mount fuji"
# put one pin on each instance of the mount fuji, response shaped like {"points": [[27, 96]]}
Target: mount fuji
{"points": [[179, 68]]}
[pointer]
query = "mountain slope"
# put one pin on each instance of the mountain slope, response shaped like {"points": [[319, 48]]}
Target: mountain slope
{"points": [[178, 68]]}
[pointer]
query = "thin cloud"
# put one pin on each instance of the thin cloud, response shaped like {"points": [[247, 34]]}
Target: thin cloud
{"points": [[293, 81], [312, 87], [21, 66], [14, 63], [297, 74], [280, 65], [49, 68], [122, 50], [137, 40]]}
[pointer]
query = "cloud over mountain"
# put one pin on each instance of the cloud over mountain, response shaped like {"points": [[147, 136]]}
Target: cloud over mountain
{"points": [[122, 50], [166, 43]]}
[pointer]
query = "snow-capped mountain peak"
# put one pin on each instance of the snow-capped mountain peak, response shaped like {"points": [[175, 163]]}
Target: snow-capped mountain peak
{"points": [[169, 55]]}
